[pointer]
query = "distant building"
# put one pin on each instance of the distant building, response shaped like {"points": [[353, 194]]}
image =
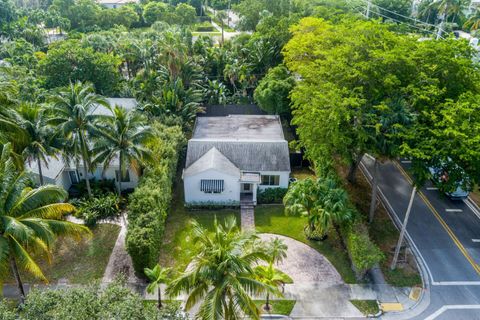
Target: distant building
{"points": [[113, 4], [229, 158]]}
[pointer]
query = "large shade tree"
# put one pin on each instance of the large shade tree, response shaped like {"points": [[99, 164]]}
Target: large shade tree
{"points": [[73, 114], [221, 275], [30, 221]]}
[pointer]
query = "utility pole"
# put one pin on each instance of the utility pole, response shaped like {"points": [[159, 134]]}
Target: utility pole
{"points": [[369, 4], [404, 229], [440, 26]]}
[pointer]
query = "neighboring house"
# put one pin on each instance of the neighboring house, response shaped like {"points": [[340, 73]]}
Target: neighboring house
{"points": [[113, 4], [63, 174], [229, 158]]}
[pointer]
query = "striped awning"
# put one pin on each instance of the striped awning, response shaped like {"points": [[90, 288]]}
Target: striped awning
{"points": [[211, 186]]}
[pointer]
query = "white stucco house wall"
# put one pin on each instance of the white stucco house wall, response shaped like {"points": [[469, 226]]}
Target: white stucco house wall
{"points": [[229, 158], [64, 173], [114, 4]]}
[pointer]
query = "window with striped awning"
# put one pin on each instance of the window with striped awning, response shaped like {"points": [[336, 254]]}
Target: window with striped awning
{"points": [[212, 186]]}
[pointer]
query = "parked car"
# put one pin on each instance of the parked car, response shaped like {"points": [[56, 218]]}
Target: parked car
{"points": [[440, 176]]}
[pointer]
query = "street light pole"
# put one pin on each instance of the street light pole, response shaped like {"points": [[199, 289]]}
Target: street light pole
{"points": [[404, 229]]}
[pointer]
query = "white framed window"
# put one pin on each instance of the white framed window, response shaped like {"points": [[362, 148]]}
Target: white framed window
{"points": [[212, 186], [270, 180]]}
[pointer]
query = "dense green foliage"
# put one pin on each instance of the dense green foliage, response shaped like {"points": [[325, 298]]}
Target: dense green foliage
{"points": [[69, 61], [381, 93], [150, 202], [97, 208], [272, 93], [271, 195], [362, 251], [116, 301], [322, 202]]}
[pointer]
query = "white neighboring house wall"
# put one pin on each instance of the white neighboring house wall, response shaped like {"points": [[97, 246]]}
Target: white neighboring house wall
{"points": [[193, 194], [284, 178], [111, 174]]}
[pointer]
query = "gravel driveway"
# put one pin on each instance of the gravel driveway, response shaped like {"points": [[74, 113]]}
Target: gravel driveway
{"points": [[305, 264]]}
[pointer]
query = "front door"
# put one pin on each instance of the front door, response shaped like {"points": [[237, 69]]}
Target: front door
{"points": [[246, 188]]}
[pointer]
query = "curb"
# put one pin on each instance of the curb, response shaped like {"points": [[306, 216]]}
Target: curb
{"points": [[424, 301]]}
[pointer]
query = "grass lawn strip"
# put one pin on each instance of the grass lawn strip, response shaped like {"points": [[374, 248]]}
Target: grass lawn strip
{"points": [[367, 307], [78, 262], [283, 307]]}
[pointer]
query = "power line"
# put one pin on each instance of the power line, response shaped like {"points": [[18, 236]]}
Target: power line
{"points": [[400, 15], [362, 7]]}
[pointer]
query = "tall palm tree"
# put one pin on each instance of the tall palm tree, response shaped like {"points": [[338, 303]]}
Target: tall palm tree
{"points": [[122, 136], [72, 112], [40, 137], [222, 275], [30, 220], [473, 22], [157, 276]]}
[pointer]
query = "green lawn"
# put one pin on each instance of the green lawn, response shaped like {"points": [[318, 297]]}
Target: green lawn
{"points": [[175, 250], [367, 307], [79, 262], [271, 219], [283, 307]]}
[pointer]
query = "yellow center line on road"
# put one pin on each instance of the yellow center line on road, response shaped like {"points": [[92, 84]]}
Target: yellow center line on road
{"points": [[457, 242]]}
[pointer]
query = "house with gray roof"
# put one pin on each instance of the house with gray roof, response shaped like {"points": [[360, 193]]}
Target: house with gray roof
{"points": [[58, 171], [229, 158]]}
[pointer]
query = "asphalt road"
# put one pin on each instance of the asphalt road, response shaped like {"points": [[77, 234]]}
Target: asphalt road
{"points": [[445, 235]]}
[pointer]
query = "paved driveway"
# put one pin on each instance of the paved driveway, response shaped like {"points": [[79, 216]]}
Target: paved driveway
{"points": [[318, 288]]}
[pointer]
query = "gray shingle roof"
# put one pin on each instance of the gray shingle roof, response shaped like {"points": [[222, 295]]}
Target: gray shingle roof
{"points": [[239, 127], [246, 155], [250, 142], [213, 159]]}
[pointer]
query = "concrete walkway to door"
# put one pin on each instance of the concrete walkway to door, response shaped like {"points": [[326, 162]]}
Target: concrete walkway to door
{"points": [[247, 215]]}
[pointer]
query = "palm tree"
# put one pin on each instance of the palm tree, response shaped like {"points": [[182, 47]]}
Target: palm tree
{"points": [[322, 202], [221, 15], [273, 278], [73, 113], [276, 251], [40, 137], [123, 136], [473, 22], [221, 274], [30, 220], [157, 276]]}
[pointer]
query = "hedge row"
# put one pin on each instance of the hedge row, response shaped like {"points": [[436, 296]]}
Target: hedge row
{"points": [[149, 203], [271, 195], [363, 253]]}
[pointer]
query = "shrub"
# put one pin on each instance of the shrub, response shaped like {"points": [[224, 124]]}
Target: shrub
{"points": [[116, 301], [210, 205], [99, 187], [271, 195], [6, 312], [100, 207], [149, 203], [362, 251]]}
